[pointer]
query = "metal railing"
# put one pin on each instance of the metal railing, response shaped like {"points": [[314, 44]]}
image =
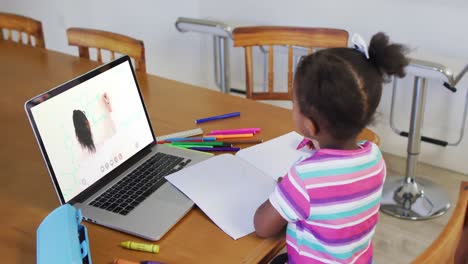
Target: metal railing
{"points": [[221, 33]]}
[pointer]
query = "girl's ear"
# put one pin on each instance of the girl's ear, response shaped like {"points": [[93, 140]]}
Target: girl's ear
{"points": [[311, 127]]}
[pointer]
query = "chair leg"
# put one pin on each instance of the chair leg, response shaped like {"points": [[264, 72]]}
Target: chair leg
{"points": [[280, 259]]}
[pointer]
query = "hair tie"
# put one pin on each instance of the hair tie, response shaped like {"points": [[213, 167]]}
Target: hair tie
{"points": [[360, 45]]}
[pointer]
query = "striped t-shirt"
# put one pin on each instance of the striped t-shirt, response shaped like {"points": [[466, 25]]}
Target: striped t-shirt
{"points": [[331, 201]]}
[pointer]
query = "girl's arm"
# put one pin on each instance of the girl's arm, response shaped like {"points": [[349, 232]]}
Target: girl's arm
{"points": [[267, 221]]}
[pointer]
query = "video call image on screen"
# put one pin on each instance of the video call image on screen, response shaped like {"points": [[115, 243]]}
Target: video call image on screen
{"points": [[92, 128]]}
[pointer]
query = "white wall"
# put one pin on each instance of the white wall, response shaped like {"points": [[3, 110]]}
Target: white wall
{"points": [[431, 28], [168, 53], [434, 30]]}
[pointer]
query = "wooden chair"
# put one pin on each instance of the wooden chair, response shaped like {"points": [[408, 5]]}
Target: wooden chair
{"points": [[309, 38], [451, 246], [115, 43], [27, 29]]}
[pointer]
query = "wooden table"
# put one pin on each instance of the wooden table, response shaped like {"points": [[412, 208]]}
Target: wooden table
{"points": [[26, 191]]}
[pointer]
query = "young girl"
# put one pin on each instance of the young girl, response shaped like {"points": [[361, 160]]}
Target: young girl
{"points": [[330, 200]]}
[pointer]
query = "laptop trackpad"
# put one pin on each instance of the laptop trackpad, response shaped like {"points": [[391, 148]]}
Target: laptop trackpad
{"points": [[170, 194]]}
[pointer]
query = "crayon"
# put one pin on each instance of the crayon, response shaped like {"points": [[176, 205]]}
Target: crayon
{"points": [[153, 248]]}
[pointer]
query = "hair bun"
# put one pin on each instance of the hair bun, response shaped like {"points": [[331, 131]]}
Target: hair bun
{"points": [[389, 58]]}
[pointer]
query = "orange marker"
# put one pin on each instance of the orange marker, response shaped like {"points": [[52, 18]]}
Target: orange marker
{"points": [[123, 261]]}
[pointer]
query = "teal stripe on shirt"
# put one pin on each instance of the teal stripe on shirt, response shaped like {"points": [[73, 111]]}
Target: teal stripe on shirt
{"points": [[340, 171], [345, 214], [318, 247]]}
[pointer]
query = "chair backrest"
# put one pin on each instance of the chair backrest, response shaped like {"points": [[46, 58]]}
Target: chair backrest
{"points": [[27, 29], [115, 43], [310, 38], [451, 246]]}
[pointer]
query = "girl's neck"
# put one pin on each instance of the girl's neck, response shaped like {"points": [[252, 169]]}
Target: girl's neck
{"points": [[349, 144]]}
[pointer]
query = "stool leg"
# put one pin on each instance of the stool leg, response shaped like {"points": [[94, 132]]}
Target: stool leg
{"points": [[403, 197]]}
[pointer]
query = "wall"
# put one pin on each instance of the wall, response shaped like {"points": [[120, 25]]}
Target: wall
{"points": [[168, 53], [432, 29]]}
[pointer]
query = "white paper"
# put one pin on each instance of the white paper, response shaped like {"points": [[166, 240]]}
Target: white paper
{"points": [[228, 189], [276, 156]]}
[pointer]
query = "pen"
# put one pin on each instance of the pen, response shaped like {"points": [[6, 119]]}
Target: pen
{"points": [[202, 120]]}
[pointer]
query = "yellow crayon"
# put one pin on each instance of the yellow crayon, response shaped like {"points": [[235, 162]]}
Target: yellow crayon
{"points": [[153, 248]]}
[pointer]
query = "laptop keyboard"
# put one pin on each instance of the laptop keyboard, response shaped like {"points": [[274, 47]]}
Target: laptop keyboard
{"points": [[134, 188]]}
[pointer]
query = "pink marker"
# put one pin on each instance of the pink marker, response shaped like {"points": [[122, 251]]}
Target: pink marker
{"points": [[303, 143], [235, 131]]}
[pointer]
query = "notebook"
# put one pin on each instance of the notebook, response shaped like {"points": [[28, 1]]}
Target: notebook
{"points": [[98, 144], [229, 188]]}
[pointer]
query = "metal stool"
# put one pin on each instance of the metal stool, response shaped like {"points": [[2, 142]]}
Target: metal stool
{"points": [[404, 197]]}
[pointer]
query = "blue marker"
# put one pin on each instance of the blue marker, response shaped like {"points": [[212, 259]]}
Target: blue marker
{"points": [[202, 120]]}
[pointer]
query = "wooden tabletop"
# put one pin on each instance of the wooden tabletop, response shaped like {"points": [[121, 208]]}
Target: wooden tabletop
{"points": [[26, 191]]}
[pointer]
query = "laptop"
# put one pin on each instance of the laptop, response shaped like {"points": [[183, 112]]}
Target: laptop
{"points": [[102, 155]]}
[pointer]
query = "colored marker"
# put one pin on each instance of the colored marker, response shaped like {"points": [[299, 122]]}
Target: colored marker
{"points": [[192, 146], [197, 139], [187, 149], [216, 149], [207, 143], [153, 248], [233, 136], [243, 141], [305, 142], [124, 261], [235, 131], [168, 142], [212, 118]]}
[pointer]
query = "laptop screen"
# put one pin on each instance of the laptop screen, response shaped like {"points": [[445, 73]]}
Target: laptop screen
{"points": [[91, 128]]}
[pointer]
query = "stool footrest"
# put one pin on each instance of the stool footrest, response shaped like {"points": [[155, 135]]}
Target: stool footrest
{"points": [[434, 141]]}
